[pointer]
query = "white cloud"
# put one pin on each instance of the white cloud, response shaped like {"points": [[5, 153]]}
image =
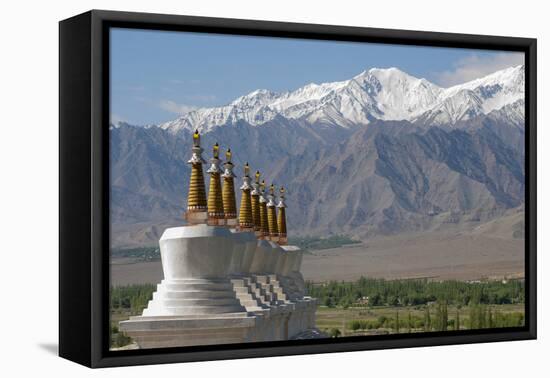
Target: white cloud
{"points": [[474, 67], [173, 107]]}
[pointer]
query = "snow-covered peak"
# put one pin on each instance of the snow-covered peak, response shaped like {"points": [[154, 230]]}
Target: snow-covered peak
{"points": [[256, 97], [497, 89], [512, 78], [376, 93], [513, 113], [388, 74], [461, 106], [399, 95], [119, 124]]}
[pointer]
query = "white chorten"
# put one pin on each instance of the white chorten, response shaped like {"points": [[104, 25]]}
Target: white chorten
{"points": [[222, 284]]}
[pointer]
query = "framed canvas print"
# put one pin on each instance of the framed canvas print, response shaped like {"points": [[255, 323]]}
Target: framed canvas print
{"points": [[234, 188]]}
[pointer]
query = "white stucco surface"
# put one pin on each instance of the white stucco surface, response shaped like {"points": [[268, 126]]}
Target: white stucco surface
{"points": [[223, 286]]}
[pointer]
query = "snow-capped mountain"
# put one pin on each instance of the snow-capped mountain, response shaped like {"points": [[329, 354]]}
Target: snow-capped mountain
{"points": [[497, 89], [480, 96], [400, 174], [513, 113], [376, 94]]}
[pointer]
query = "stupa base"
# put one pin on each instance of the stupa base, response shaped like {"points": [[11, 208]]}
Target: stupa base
{"points": [[173, 319], [210, 295], [177, 331], [275, 323]]}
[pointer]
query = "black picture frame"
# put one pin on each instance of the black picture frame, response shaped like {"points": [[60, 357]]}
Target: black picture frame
{"points": [[84, 191]]}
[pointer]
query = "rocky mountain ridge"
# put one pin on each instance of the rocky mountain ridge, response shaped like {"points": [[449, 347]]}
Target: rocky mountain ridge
{"points": [[346, 171]]}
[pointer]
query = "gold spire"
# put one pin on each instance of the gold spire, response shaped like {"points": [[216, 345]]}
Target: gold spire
{"points": [[245, 212], [272, 214], [255, 200], [228, 192], [196, 139], [215, 203], [264, 228], [196, 199], [281, 219], [216, 151]]}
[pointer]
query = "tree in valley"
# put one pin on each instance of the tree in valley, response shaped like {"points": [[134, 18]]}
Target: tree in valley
{"points": [[443, 316], [335, 332], [396, 322], [427, 320]]}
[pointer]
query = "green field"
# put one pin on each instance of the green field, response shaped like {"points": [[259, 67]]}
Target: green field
{"points": [[137, 254], [359, 321], [127, 301], [414, 292], [376, 306], [310, 243]]}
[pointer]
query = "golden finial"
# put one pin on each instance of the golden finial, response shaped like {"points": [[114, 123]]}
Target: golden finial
{"points": [[281, 218], [196, 138], [245, 212], [255, 199], [196, 198], [272, 214], [228, 192], [216, 151], [264, 227], [215, 201]]}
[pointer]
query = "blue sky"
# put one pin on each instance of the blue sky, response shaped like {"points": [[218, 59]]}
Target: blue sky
{"points": [[157, 75]]}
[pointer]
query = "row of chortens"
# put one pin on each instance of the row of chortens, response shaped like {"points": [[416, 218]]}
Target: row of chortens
{"points": [[227, 278]]}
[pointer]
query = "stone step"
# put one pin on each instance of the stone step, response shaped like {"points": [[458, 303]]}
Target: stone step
{"points": [[263, 279], [197, 302], [265, 288], [259, 291], [240, 281], [184, 285], [255, 308], [257, 287], [248, 293], [272, 296], [197, 280], [199, 287], [198, 317], [249, 303], [263, 299], [244, 289], [191, 310], [246, 296], [194, 294], [243, 294]]}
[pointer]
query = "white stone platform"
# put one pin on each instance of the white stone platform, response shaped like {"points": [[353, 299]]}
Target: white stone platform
{"points": [[223, 286]]}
